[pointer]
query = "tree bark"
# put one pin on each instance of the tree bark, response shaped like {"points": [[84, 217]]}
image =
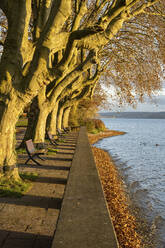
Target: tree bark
{"points": [[39, 136], [65, 120], [9, 116], [32, 122], [59, 117], [53, 120], [73, 116], [37, 118]]}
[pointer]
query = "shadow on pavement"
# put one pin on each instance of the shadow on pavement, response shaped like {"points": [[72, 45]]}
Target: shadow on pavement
{"points": [[34, 201], [12, 239], [45, 167]]}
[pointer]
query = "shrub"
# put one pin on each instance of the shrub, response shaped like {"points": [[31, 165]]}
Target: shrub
{"points": [[99, 124], [94, 125]]}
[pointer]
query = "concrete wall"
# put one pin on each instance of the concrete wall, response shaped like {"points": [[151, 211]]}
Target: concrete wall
{"points": [[84, 221]]}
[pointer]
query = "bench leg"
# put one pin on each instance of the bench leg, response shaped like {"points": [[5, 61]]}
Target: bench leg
{"points": [[27, 160], [40, 158], [53, 142], [31, 158]]}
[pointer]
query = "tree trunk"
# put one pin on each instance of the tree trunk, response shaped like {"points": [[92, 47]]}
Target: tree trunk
{"points": [[65, 120], [59, 117], [36, 123], [53, 120], [39, 136], [9, 116], [73, 121], [32, 122]]}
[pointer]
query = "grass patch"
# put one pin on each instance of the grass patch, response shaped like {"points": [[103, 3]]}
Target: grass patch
{"points": [[52, 151], [94, 131], [60, 141], [21, 151], [94, 126], [28, 176], [22, 122], [12, 188]]}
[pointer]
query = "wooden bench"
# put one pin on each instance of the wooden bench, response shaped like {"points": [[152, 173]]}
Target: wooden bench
{"points": [[66, 129], [60, 133], [32, 153], [51, 139]]}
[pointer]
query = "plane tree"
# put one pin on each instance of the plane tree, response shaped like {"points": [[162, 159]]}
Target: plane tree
{"points": [[26, 64], [48, 99], [81, 93], [39, 47], [136, 64], [133, 70], [87, 108]]}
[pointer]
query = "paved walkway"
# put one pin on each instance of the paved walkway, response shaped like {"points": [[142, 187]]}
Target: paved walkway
{"points": [[53, 214], [30, 221]]}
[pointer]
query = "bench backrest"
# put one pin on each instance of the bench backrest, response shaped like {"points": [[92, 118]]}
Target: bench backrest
{"points": [[50, 136], [30, 146], [59, 131]]}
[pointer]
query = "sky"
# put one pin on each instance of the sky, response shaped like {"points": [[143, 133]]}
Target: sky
{"points": [[156, 105]]}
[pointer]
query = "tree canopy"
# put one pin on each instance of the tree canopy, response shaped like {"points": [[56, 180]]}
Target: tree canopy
{"points": [[55, 51]]}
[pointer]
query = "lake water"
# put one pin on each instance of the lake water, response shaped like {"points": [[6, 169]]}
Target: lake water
{"points": [[140, 157]]}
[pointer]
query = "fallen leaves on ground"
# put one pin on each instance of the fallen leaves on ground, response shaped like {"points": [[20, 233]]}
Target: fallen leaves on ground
{"points": [[124, 222]]}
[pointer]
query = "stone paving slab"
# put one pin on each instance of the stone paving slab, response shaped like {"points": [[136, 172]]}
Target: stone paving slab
{"points": [[30, 221]]}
